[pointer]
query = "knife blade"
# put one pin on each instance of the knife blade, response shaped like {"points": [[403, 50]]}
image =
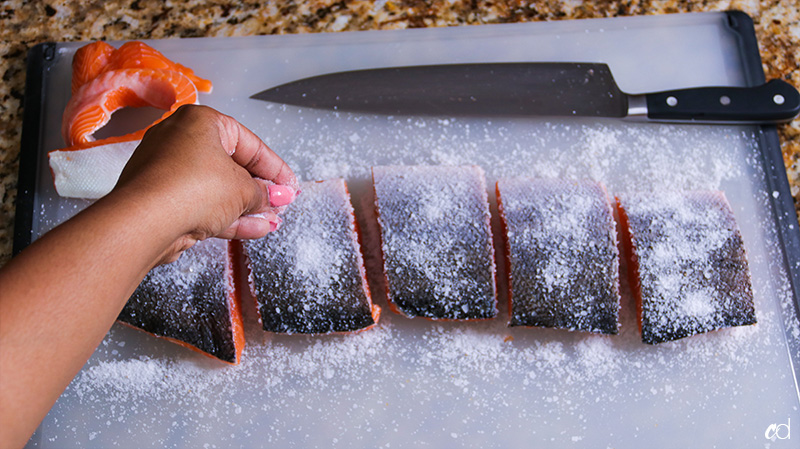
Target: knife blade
{"points": [[530, 89]]}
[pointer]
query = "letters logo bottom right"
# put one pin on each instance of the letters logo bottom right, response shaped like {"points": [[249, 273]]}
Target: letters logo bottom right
{"points": [[779, 431]]}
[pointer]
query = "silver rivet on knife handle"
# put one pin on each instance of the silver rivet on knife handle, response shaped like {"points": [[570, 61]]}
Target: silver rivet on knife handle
{"points": [[637, 108]]}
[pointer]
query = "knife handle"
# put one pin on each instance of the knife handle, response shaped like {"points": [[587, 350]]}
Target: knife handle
{"points": [[774, 102]]}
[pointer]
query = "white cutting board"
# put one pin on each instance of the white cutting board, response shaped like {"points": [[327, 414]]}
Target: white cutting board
{"points": [[414, 383]]}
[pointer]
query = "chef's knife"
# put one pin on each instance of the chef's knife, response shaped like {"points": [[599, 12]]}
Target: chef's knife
{"points": [[530, 89]]}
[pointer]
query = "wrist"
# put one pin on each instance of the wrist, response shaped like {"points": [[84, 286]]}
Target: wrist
{"points": [[154, 222]]}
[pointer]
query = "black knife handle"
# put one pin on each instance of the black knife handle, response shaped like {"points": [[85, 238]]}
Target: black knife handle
{"points": [[774, 102]]}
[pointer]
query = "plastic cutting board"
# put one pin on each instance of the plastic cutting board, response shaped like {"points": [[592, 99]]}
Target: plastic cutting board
{"points": [[414, 383]]}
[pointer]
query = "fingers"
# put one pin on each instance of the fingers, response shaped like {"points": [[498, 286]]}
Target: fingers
{"points": [[251, 153], [276, 185], [244, 183], [260, 219], [252, 226], [280, 195], [269, 197]]}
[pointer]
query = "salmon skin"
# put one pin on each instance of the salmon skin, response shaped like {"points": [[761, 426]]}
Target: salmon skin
{"points": [[561, 254], [104, 80], [436, 241], [688, 268], [308, 277], [193, 302]]}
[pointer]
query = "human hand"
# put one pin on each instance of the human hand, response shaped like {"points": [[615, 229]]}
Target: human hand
{"points": [[214, 176]]}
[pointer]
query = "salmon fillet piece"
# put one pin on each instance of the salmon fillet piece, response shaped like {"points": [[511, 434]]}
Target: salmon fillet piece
{"points": [[687, 263], [193, 302], [561, 254], [436, 241], [308, 277]]}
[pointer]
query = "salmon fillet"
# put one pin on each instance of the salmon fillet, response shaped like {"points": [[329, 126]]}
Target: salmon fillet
{"points": [[687, 263], [193, 302], [308, 277], [436, 241], [561, 254]]}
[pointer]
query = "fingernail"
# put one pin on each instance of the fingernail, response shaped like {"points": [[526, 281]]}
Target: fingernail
{"points": [[273, 224], [280, 195]]}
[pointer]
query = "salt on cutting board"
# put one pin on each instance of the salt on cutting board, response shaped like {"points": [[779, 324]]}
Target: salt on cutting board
{"points": [[461, 384]]}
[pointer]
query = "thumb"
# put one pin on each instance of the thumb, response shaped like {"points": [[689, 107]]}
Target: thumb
{"points": [[261, 213], [271, 197], [252, 226]]}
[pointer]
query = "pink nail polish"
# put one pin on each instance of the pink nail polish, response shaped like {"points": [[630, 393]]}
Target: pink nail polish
{"points": [[280, 195], [273, 226]]}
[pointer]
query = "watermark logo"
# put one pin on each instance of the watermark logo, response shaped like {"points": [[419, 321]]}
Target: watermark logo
{"points": [[779, 431]]}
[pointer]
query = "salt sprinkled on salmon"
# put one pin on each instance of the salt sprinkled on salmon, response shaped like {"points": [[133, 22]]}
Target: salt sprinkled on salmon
{"points": [[192, 301], [436, 241], [308, 276], [562, 254], [393, 378], [690, 272]]}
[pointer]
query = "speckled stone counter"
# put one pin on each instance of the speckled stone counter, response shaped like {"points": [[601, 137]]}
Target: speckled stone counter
{"points": [[26, 23]]}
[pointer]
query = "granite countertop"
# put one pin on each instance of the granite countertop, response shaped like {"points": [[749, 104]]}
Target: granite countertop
{"points": [[24, 24]]}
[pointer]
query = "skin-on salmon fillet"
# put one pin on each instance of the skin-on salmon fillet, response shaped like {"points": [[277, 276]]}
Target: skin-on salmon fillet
{"points": [[436, 241], [687, 263], [308, 277], [193, 302], [561, 254]]}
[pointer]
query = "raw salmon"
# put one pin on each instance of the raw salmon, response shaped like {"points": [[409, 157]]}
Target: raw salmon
{"points": [[308, 277], [192, 302], [137, 54], [89, 61], [436, 241], [687, 263], [105, 80], [94, 102], [98, 57], [561, 254]]}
